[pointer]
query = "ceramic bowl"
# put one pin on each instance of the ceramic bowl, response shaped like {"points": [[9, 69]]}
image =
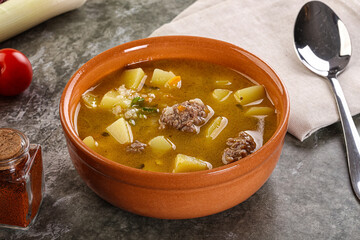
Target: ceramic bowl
{"points": [[169, 195]]}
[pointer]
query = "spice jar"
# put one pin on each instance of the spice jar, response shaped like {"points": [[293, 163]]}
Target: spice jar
{"points": [[21, 179]]}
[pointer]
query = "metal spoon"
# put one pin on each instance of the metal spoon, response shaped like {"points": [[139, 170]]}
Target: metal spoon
{"points": [[322, 43]]}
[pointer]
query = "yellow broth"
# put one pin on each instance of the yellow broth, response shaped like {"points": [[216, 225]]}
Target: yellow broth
{"points": [[199, 79]]}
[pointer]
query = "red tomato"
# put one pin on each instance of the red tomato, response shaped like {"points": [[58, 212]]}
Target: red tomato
{"points": [[15, 72]]}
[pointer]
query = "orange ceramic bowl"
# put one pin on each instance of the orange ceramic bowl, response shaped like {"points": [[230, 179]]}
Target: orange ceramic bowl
{"points": [[169, 195]]}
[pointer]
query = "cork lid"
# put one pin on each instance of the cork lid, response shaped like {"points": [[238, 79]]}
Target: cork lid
{"points": [[10, 143]]}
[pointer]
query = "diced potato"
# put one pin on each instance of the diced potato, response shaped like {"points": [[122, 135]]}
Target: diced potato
{"points": [[184, 163], [161, 145], [216, 127], [223, 82], [121, 131], [124, 102], [113, 98], [159, 162], [161, 77], [221, 94], [90, 142], [109, 99], [90, 100], [154, 166], [250, 94], [259, 111], [133, 78]]}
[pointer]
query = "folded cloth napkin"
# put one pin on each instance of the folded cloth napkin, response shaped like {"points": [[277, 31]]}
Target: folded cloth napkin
{"points": [[265, 28]]}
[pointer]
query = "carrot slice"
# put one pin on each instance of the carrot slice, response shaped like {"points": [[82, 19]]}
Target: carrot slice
{"points": [[175, 82], [181, 108]]}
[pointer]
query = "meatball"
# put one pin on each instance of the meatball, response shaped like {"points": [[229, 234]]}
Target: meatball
{"points": [[136, 147], [187, 116], [239, 148]]}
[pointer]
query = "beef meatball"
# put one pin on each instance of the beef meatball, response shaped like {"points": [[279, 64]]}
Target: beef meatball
{"points": [[239, 148], [186, 116], [136, 147]]}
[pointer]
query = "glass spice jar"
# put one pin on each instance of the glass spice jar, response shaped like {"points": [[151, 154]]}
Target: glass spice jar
{"points": [[21, 179]]}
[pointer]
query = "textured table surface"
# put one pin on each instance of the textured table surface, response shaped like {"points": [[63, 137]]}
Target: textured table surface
{"points": [[308, 196]]}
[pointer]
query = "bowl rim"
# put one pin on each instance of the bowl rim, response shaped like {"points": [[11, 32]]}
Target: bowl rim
{"points": [[127, 173]]}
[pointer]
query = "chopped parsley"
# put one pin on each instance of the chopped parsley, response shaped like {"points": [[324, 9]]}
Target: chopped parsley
{"points": [[137, 102]]}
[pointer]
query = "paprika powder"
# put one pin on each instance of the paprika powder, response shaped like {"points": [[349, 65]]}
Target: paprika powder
{"points": [[21, 179]]}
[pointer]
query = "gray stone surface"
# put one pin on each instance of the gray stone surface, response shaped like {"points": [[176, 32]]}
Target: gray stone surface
{"points": [[308, 195]]}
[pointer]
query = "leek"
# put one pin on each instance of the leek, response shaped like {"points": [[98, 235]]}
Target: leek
{"points": [[17, 16]]}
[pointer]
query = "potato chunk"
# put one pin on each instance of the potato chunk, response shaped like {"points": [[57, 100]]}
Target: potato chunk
{"points": [[184, 163], [216, 127], [90, 142], [121, 131], [154, 166], [250, 94], [222, 82], [113, 98], [109, 99], [133, 78], [161, 145], [161, 77], [259, 111], [221, 94]]}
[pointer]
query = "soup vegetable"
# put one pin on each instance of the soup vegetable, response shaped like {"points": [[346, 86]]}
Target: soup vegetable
{"points": [[175, 116]]}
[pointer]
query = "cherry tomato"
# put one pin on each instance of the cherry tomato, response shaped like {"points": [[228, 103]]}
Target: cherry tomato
{"points": [[15, 72]]}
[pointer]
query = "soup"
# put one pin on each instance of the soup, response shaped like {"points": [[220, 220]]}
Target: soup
{"points": [[175, 116]]}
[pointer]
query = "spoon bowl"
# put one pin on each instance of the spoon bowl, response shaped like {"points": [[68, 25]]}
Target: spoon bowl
{"points": [[322, 41], [323, 45]]}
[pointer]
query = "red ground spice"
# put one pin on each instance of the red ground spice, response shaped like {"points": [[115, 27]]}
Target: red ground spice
{"points": [[21, 189]]}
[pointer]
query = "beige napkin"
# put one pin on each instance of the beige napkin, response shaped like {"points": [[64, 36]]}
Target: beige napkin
{"points": [[265, 28]]}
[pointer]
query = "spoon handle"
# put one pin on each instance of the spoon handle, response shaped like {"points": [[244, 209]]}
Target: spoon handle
{"points": [[352, 139]]}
